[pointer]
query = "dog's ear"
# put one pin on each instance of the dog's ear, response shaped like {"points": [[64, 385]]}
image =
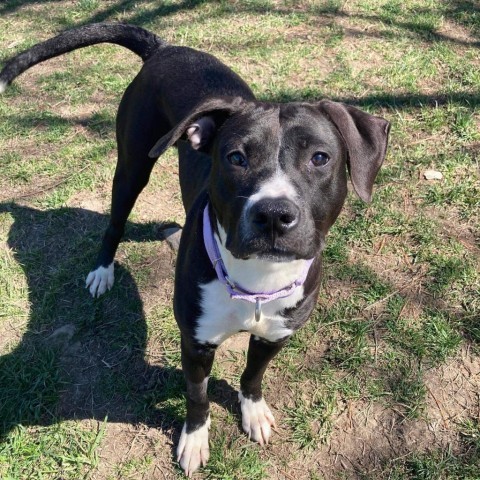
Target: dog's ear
{"points": [[200, 125], [366, 138]]}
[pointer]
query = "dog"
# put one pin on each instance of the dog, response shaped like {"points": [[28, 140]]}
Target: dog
{"points": [[261, 184]]}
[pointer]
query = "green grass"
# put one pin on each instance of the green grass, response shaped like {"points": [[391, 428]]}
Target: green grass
{"points": [[232, 459], [398, 318], [311, 421], [67, 450]]}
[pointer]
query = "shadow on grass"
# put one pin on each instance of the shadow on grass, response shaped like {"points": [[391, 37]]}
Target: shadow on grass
{"points": [[10, 6], [79, 357], [464, 13], [123, 6], [97, 123], [385, 100]]}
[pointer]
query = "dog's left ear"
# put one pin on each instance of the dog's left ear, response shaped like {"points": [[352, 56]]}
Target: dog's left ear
{"points": [[366, 138], [200, 125]]}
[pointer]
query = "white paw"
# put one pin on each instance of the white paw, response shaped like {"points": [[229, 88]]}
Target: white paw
{"points": [[193, 449], [99, 280], [257, 419]]}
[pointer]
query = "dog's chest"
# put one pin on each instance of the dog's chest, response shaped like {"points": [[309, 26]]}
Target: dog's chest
{"points": [[223, 316]]}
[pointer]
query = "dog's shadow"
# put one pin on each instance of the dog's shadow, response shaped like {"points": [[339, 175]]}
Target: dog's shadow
{"points": [[77, 357]]}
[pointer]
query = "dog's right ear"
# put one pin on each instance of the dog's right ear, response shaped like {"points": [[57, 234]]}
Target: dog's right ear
{"points": [[200, 125]]}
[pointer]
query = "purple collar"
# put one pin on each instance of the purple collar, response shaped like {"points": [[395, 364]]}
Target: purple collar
{"points": [[236, 291]]}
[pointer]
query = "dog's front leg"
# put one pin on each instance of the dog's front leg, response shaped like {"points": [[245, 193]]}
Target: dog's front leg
{"points": [[193, 449], [257, 419]]}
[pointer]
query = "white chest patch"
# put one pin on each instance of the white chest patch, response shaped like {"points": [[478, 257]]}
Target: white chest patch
{"points": [[222, 316]]}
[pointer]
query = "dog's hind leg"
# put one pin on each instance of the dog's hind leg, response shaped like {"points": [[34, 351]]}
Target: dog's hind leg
{"points": [[138, 127], [257, 419], [129, 180]]}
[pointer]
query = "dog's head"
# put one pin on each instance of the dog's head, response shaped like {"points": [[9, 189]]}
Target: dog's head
{"points": [[279, 171]]}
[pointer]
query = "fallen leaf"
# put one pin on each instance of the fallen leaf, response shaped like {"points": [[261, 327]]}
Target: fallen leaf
{"points": [[432, 175]]}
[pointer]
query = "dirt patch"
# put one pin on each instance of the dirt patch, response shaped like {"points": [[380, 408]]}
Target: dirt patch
{"points": [[159, 284], [235, 344], [453, 391], [98, 201], [134, 451], [367, 436], [454, 32]]}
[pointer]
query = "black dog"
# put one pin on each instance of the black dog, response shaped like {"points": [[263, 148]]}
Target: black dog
{"points": [[261, 184]]}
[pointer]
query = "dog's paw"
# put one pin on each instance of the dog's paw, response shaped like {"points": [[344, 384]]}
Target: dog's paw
{"points": [[257, 419], [99, 280], [193, 450]]}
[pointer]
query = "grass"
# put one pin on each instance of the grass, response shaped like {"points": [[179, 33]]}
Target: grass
{"points": [[65, 449], [381, 383]]}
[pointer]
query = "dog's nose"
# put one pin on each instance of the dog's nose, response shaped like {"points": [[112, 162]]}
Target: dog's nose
{"points": [[274, 215]]}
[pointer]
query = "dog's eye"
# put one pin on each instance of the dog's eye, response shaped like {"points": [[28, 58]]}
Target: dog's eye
{"points": [[319, 159], [237, 159]]}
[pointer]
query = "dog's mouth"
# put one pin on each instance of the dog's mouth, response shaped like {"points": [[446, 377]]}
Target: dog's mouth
{"points": [[244, 247], [265, 252], [273, 256]]}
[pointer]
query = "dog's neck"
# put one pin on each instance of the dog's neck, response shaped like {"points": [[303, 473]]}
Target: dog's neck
{"points": [[257, 275]]}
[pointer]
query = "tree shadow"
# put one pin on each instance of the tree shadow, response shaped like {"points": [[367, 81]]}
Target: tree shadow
{"points": [[98, 123], [380, 100], [463, 12], [80, 358], [125, 6], [10, 6], [146, 16]]}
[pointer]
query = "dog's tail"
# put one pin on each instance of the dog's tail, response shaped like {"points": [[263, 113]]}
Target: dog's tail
{"points": [[138, 40]]}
